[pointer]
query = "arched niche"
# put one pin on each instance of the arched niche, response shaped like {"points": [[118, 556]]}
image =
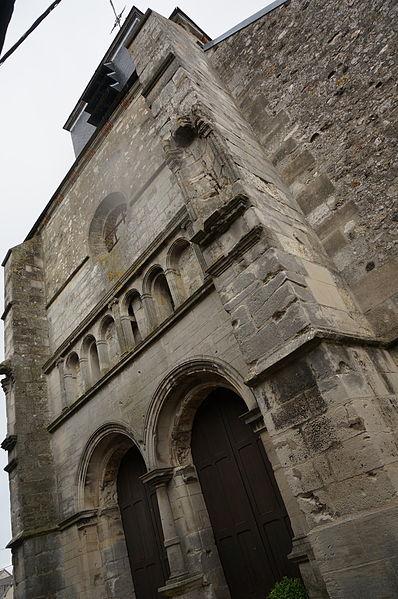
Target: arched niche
{"points": [[108, 334], [108, 224], [157, 290], [133, 317], [90, 361], [183, 263], [72, 375]]}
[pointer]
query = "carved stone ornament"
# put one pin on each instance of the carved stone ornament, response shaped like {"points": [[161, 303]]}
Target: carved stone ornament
{"points": [[9, 442], [6, 369]]}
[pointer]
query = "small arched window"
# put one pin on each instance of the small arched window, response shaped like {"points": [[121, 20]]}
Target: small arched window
{"points": [[94, 362], [135, 314], [114, 226]]}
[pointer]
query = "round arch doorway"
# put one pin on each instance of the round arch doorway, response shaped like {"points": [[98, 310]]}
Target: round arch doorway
{"points": [[142, 527], [249, 520]]}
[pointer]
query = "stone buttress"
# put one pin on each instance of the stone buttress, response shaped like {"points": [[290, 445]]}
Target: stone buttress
{"points": [[30, 466]]}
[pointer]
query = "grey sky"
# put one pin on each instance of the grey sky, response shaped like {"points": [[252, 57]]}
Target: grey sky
{"points": [[40, 85]]}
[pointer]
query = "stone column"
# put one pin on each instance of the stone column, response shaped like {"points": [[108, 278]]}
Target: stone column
{"points": [[103, 358], [85, 373], [115, 307], [64, 384], [125, 323], [176, 293], [150, 313], [180, 581]]}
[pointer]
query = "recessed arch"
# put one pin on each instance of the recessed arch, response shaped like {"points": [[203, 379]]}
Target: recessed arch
{"points": [[183, 263], [108, 335], [97, 485], [100, 459], [132, 311], [156, 286], [170, 416], [107, 223], [90, 360]]}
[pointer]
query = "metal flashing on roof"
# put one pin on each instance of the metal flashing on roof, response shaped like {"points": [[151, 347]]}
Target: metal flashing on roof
{"points": [[245, 23], [130, 24]]}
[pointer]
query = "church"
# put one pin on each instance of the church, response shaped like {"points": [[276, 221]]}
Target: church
{"points": [[201, 327]]}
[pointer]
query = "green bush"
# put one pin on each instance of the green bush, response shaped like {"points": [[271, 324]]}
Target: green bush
{"points": [[288, 588]]}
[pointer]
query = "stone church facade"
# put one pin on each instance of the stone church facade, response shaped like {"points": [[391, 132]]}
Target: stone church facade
{"points": [[200, 367]]}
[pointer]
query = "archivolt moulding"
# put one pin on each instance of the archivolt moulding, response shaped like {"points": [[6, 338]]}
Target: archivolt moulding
{"points": [[99, 463], [170, 416]]}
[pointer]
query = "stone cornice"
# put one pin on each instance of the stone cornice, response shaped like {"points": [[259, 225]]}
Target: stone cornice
{"points": [[12, 464], [310, 338], [6, 310], [80, 518], [66, 282], [30, 534], [243, 245], [221, 220]]}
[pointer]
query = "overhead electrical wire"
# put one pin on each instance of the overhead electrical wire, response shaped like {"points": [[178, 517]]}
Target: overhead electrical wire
{"points": [[29, 31], [37, 23]]}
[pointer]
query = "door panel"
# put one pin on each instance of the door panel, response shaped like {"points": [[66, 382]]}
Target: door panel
{"points": [[249, 520], [142, 527]]}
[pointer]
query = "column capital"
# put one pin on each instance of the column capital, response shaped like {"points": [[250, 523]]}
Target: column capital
{"points": [[158, 476]]}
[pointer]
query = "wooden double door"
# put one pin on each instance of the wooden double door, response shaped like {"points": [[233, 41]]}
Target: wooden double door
{"points": [[142, 527], [250, 524], [249, 520]]}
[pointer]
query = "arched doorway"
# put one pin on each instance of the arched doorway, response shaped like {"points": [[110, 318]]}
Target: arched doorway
{"points": [[249, 520], [142, 527]]}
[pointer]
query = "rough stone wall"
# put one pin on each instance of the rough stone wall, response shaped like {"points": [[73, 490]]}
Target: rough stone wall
{"points": [[317, 82]]}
